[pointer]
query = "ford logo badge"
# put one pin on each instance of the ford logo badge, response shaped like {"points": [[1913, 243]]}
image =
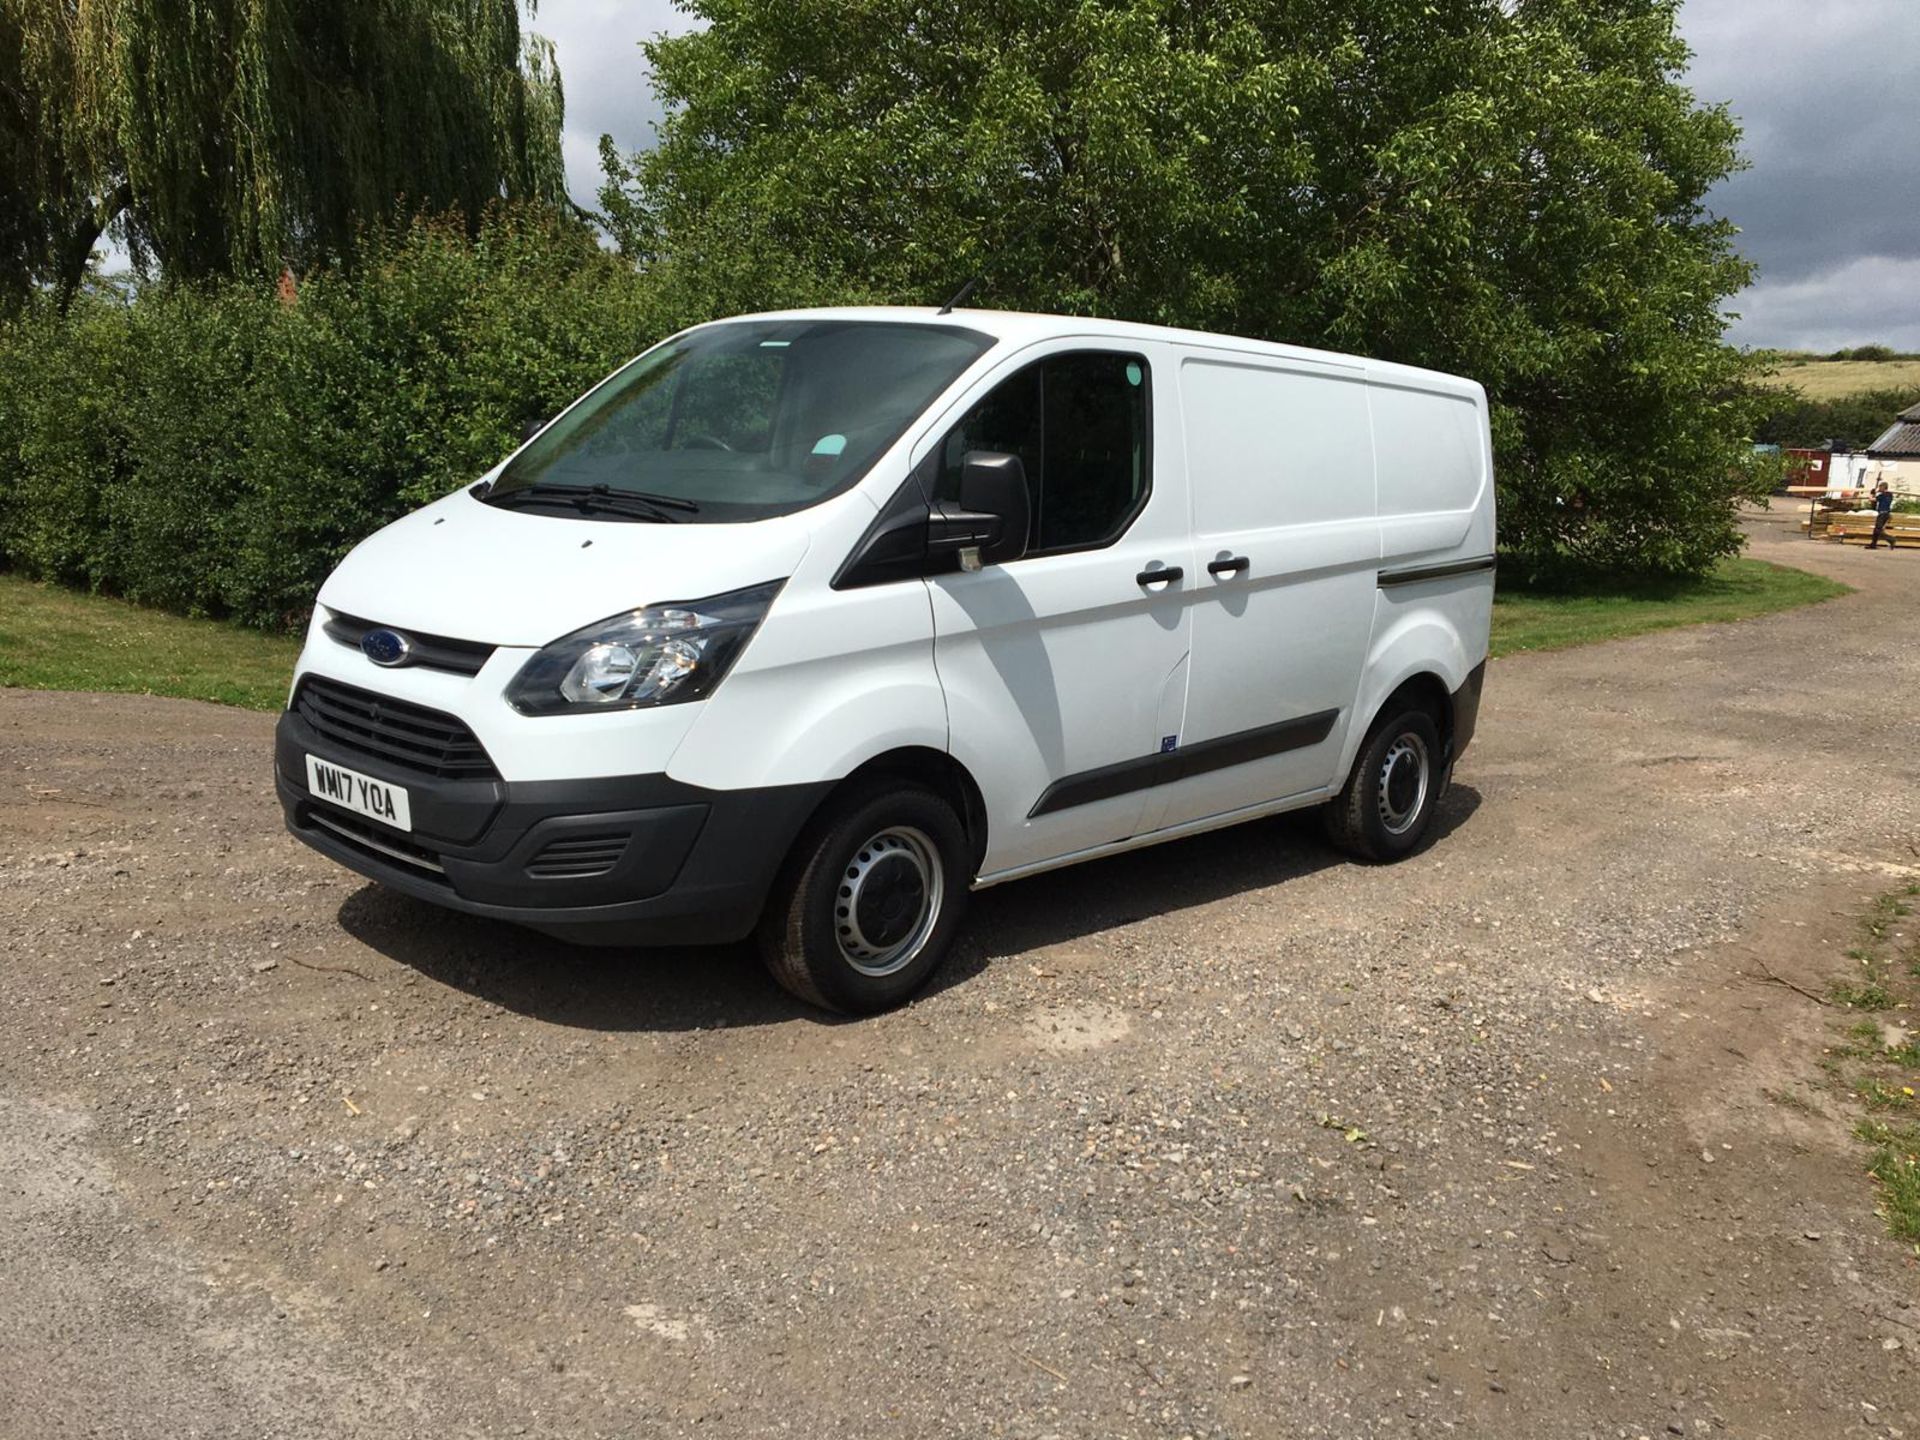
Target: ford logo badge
{"points": [[385, 647]]}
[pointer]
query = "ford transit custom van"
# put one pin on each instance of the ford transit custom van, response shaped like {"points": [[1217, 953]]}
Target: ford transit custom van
{"points": [[803, 626]]}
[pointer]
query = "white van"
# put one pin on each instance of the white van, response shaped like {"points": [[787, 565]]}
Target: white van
{"points": [[804, 625]]}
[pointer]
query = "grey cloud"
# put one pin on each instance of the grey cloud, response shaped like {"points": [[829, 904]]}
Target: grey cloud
{"points": [[1825, 91], [1830, 210], [609, 91], [1872, 298]]}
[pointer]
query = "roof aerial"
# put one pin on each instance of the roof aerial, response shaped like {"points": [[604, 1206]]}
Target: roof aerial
{"points": [[960, 295]]}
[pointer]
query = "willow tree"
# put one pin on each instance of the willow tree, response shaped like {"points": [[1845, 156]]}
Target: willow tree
{"points": [[39, 200], [1511, 189], [227, 136]]}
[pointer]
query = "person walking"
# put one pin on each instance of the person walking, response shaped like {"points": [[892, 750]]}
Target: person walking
{"points": [[1883, 512]]}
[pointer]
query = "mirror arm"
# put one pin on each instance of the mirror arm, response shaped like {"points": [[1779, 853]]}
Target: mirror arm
{"points": [[952, 529]]}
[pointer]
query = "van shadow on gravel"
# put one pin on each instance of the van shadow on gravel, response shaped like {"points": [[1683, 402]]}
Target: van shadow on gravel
{"points": [[696, 988]]}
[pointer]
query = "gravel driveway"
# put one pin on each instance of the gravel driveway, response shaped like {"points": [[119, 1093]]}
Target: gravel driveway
{"points": [[1227, 1138]]}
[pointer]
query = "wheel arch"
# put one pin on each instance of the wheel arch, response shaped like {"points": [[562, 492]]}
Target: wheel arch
{"points": [[937, 771], [1426, 689], [1420, 657]]}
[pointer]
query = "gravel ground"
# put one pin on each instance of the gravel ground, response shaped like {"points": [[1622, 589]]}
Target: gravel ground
{"points": [[1224, 1139]]}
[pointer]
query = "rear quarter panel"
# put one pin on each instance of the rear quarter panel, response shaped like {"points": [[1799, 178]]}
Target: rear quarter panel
{"points": [[1434, 453], [1433, 458]]}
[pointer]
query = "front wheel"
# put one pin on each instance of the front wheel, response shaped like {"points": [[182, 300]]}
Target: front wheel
{"points": [[1386, 807], [869, 901]]}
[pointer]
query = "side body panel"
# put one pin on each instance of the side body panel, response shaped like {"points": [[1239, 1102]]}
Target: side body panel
{"points": [[1280, 467], [1434, 606], [1434, 457]]}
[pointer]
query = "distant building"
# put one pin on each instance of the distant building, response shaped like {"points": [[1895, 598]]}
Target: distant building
{"points": [[1895, 456], [1835, 471], [1807, 468]]}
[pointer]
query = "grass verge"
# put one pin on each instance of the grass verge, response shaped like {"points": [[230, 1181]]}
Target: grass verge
{"points": [[1875, 1062], [1549, 619], [57, 639]]}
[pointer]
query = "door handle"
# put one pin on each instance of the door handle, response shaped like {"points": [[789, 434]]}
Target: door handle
{"points": [[1164, 575], [1231, 565]]}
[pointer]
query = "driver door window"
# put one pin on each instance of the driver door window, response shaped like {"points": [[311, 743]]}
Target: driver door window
{"points": [[1078, 422]]}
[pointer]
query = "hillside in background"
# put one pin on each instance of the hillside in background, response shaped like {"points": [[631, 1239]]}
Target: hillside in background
{"points": [[1847, 398], [1818, 378]]}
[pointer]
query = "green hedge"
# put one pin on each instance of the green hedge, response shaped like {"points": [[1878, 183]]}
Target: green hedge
{"points": [[215, 451], [1854, 420]]}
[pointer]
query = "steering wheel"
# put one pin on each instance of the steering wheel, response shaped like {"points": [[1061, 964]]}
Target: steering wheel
{"points": [[707, 442]]}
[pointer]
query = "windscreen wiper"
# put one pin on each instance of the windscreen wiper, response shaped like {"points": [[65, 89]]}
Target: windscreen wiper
{"points": [[659, 502], [599, 497]]}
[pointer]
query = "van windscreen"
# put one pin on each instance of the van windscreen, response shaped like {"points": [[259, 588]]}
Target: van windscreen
{"points": [[738, 421]]}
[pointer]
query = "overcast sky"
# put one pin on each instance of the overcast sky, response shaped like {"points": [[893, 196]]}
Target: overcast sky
{"points": [[1826, 90]]}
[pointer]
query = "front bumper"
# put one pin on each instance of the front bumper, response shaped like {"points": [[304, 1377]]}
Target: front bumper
{"points": [[627, 860]]}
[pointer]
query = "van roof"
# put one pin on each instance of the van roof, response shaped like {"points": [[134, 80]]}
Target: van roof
{"points": [[1021, 327]]}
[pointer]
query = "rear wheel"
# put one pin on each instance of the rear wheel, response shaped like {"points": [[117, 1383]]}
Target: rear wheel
{"points": [[1386, 807], [869, 901]]}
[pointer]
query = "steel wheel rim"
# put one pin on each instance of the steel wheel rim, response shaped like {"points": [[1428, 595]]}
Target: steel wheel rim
{"points": [[1402, 792], [888, 901]]}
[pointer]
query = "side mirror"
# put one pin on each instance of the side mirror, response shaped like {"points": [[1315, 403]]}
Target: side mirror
{"points": [[990, 524], [531, 429]]}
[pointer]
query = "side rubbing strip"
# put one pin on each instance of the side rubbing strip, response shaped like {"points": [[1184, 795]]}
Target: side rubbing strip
{"points": [[1150, 770], [1102, 784], [1436, 572]]}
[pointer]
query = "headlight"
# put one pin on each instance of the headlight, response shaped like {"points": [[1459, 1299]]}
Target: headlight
{"points": [[657, 656]]}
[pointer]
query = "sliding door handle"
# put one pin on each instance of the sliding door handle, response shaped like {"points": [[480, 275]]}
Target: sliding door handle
{"points": [[1165, 575], [1229, 565]]}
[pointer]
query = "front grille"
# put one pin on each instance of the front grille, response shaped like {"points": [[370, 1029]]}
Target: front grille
{"points": [[365, 835], [429, 742], [576, 857], [431, 652]]}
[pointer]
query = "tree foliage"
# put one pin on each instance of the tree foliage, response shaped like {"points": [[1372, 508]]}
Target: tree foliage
{"points": [[226, 136], [1878, 353], [213, 450], [1853, 422], [1509, 189]]}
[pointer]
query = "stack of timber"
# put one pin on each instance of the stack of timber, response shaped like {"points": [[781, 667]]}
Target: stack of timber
{"points": [[1817, 523], [1855, 527], [1822, 507]]}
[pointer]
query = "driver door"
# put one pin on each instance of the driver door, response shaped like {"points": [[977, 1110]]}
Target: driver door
{"points": [[1065, 671]]}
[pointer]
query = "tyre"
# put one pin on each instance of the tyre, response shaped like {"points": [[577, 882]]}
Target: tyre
{"points": [[869, 901], [1386, 807]]}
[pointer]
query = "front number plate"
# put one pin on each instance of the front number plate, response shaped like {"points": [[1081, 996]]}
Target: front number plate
{"points": [[362, 794]]}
